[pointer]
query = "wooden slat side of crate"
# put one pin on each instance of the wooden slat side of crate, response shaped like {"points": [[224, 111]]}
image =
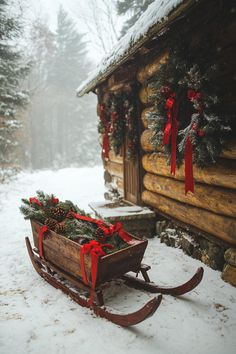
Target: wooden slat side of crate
{"points": [[60, 251], [65, 254], [121, 262]]}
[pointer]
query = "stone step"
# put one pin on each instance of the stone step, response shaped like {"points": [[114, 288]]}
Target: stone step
{"points": [[135, 219]]}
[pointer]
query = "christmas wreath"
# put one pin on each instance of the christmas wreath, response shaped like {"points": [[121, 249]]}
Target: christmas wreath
{"points": [[185, 120], [117, 114]]}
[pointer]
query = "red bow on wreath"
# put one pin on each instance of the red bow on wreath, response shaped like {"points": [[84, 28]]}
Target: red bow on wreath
{"points": [[171, 131]]}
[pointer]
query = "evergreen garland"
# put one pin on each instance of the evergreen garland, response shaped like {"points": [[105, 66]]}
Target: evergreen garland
{"points": [[198, 117], [131, 127], [48, 210], [118, 114], [115, 107]]}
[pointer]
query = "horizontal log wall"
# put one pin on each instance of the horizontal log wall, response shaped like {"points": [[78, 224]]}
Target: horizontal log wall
{"points": [[223, 174], [212, 208], [219, 200], [228, 153], [217, 225]]}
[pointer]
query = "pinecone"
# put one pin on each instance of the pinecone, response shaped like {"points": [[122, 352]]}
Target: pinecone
{"points": [[58, 213], [100, 234], [51, 223], [60, 228]]}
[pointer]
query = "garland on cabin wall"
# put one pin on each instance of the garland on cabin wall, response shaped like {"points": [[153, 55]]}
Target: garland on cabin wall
{"points": [[117, 119], [186, 120]]}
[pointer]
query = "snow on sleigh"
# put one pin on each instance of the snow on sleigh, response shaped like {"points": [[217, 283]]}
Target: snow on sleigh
{"points": [[81, 256]]}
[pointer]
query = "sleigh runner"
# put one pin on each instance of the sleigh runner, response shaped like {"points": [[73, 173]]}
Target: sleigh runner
{"points": [[66, 255], [65, 263]]}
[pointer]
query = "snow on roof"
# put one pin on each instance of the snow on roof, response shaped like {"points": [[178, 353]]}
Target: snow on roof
{"points": [[156, 13]]}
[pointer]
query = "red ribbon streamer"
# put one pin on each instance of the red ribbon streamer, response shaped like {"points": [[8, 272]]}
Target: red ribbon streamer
{"points": [[42, 231], [105, 145], [188, 155], [94, 249], [108, 230], [171, 128]]}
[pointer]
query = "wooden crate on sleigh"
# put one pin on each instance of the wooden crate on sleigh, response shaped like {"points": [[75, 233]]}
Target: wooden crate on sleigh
{"points": [[65, 254]]}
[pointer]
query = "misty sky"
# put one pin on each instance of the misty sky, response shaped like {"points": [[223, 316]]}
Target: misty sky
{"points": [[80, 12]]}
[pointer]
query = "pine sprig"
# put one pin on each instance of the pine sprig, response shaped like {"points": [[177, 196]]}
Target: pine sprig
{"points": [[30, 213]]}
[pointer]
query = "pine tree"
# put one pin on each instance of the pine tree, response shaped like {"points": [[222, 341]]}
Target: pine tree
{"points": [[69, 67], [133, 8], [12, 71], [69, 62], [41, 48], [63, 127]]}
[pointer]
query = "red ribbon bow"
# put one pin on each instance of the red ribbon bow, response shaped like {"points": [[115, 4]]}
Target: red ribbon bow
{"points": [[36, 201], [95, 250], [117, 227], [107, 230]]}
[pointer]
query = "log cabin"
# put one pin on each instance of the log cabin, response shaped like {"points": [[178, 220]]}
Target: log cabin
{"points": [[205, 32]]}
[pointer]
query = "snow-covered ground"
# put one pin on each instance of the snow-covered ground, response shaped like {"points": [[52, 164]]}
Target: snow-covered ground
{"points": [[36, 318]]}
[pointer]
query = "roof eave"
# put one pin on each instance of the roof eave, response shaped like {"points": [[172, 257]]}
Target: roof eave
{"points": [[156, 30]]}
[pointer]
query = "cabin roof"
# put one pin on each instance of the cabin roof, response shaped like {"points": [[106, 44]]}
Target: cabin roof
{"points": [[153, 22]]}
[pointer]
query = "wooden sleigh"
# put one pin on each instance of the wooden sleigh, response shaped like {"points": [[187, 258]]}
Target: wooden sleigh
{"points": [[61, 267]]}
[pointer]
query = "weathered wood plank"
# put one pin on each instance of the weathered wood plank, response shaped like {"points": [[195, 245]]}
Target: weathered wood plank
{"points": [[220, 226], [223, 174], [61, 251], [218, 200]]}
